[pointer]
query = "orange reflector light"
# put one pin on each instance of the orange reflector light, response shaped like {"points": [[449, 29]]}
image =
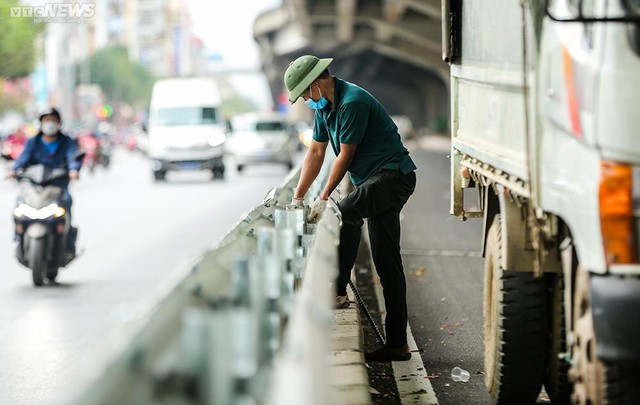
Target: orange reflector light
{"points": [[616, 212], [572, 95]]}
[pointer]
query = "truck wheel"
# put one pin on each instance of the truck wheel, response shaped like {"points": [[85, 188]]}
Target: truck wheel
{"points": [[218, 173], [37, 261], [594, 381], [556, 381], [159, 175], [588, 373], [515, 331]]}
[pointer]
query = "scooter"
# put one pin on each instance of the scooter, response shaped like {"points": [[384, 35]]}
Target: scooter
{"points": [[46, 239], [90, 144], [106, 150]]}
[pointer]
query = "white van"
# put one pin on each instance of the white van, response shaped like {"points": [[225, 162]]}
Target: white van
{"points": [[186, 128]]}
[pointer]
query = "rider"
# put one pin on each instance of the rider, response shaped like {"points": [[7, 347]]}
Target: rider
{"points": [[53, 149], [14, 144]]}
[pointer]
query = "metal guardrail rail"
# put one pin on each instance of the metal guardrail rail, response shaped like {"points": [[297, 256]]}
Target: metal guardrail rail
{"points": [[247, 324]]}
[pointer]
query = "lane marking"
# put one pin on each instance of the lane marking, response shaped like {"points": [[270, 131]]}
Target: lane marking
{"points": [[414, 387], [445, 253]]}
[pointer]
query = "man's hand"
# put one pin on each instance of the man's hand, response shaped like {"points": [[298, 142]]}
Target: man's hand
{"points": [[10, 175], [317, 209], [74, 175], [296, 203]]}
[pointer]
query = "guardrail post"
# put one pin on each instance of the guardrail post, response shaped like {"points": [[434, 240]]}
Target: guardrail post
{"points": [[270, 272], [218, 335]]}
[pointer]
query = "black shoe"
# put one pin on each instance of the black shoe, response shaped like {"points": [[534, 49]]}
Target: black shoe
{"points": [[342, 302], [386, 353]]}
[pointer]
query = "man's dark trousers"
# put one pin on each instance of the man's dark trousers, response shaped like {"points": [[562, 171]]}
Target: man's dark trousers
{"points": [[380, 199]]}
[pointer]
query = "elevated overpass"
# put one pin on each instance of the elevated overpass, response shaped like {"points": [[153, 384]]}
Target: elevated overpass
{"points": [[390, 47]]}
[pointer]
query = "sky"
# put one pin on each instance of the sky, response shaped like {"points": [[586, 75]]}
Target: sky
{"points": [[226, 27]]}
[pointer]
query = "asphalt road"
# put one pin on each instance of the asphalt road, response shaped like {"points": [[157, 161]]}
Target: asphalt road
{"points": [[134, 234], [444, 270]]}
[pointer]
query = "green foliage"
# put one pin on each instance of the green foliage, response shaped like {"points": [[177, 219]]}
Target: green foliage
{"points": [[14, 101], [17, 42], [236, 104], [120, 78]]}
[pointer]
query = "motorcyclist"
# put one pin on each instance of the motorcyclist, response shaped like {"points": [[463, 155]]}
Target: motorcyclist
{"points": [[89, 142], [14, 144], [53, 149]]}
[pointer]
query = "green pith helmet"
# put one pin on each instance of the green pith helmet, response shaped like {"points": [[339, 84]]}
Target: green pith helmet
{"points": [[302, 72]]}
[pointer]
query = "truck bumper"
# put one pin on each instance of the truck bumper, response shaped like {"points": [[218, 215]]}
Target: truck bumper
{"points": [[616, 317]]}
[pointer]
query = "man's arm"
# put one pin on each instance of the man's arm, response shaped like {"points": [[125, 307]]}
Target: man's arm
{"points": [[72, 149], [310, 167], [339, 169], [23, 160]]}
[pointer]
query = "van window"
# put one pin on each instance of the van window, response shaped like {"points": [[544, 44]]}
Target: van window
{"points": [[269, 126], [186, 116]]}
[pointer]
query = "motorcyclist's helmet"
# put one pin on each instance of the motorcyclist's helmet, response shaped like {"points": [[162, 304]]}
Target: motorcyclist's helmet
{"points": [[50, 111]]}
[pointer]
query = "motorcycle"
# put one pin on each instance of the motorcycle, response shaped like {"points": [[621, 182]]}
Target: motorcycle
{"points": [[46, 239], [106, 150], [91, 146]]}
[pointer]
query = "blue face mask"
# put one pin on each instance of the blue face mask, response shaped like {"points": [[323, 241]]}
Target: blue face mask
{"points": [[316, 105]]}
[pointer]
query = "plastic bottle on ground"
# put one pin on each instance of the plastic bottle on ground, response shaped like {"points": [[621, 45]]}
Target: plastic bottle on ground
{"points": [[458, 374]]}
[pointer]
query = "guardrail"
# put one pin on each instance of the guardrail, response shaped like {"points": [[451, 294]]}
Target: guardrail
{"points": [[248, 324]]}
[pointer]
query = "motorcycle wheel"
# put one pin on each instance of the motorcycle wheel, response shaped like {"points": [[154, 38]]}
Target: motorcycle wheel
{"points": [[37, 261]]}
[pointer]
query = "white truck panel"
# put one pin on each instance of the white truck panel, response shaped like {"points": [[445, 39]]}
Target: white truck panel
{"points": [[619, 80], [569, 188], [489, 117]]}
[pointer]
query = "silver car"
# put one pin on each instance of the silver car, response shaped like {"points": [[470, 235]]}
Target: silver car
{"points": [[257, 138]]}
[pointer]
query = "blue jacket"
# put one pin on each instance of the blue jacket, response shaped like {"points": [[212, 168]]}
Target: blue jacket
{"points": [[36, 153]]}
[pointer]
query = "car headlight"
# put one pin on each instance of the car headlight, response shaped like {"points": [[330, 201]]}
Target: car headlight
{"points": [[51, 210], [306, 136]]}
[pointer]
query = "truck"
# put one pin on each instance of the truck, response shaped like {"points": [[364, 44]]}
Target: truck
{"points": [[544, 131], [186, 127]]}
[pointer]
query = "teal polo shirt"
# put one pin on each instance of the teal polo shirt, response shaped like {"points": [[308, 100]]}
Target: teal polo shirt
{"points": [[358, 118]]}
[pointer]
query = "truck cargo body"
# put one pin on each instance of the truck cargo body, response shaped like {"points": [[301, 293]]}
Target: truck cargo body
{"points": [[544, 126]]}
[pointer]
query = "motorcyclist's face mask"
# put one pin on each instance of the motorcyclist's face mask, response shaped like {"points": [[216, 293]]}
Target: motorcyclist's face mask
{"points": [[316, 105], [50, 127]]}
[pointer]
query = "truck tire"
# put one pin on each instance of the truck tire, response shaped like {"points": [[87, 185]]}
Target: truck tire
{"points": [[515, 328], [159, 175], [217, 173]]}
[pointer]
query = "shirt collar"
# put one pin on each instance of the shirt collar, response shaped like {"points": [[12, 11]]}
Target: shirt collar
{"points": [[337, 93]]}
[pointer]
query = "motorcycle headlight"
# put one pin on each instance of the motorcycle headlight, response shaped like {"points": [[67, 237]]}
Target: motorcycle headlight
{"points": [[51, 210]]}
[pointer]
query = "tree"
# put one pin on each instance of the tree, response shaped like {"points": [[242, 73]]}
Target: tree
{"points": [[17, 42], [236, 104], [121, 79]]}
